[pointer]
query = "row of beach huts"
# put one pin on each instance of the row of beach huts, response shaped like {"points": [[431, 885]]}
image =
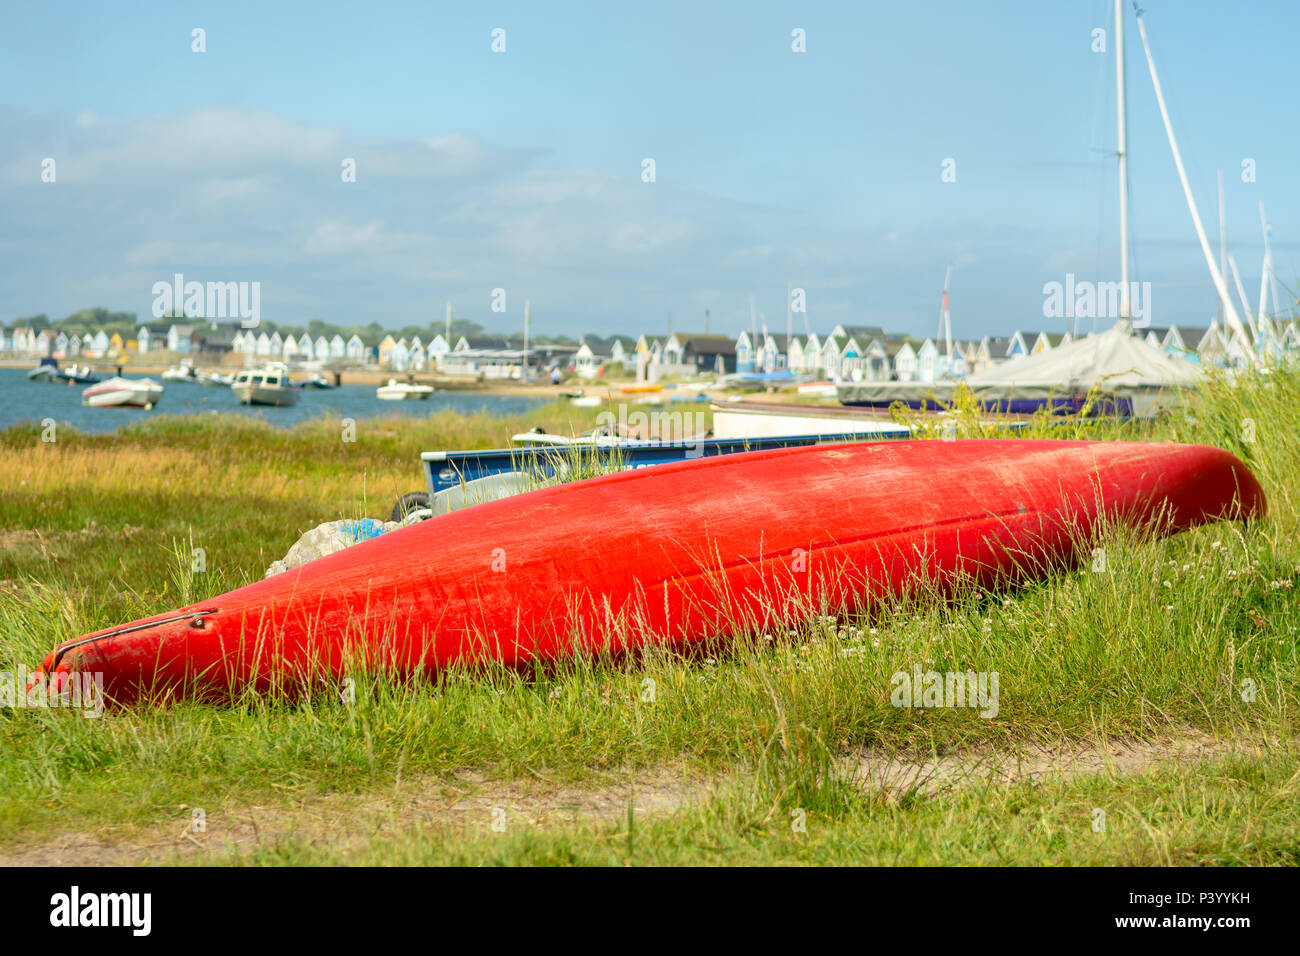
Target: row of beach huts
{"points": [[857, 352], [869, 353]]}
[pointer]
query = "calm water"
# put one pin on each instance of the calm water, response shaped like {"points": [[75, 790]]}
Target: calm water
{"points": [[21, 400]]}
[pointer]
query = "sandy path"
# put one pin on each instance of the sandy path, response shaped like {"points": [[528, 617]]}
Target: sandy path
{"points": [[470, 801]]}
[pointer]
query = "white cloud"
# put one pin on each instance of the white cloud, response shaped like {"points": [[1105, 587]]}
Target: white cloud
{"points": [[225, 194], [336, 238]]}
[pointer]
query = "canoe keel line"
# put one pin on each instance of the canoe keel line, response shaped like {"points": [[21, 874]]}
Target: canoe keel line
{"points": [[676, 554]]}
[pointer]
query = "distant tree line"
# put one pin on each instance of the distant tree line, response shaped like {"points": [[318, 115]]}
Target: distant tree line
{"points": [[90, 321]]}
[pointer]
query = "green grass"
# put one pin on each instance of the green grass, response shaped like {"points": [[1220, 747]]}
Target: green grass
{"points": [[102, 532], [1232, 812]]}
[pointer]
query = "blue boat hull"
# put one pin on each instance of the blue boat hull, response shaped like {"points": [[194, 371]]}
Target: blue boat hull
{"points": [[447, 469]]}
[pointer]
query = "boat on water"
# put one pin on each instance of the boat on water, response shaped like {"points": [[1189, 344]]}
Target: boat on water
{"points": [[183, 372], [753, 543], [316, 380], [123, 392], [396, 391], [49, 371], [215, 379], [72, 375], [45, 371], [268, 385]]}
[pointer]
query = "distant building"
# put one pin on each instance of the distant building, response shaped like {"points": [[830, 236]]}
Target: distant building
{"points": [[587, 362], [697, 353], [152, 338], [435, 350], [215, 340], [1046, 341], [775, 353], [178, 338], [1016, 347], [622, 351]]}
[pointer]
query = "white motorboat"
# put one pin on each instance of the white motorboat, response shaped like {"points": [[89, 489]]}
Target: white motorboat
{"points": [[77, 376], [130, 392], [46, 371], [396, 391], [184, 372], [268, 385], [216, 378]]}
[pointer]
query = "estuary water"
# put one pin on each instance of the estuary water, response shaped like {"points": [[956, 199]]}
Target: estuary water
{"points": [[26, 401]]}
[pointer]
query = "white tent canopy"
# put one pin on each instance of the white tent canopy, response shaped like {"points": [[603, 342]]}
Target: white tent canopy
{"points": [[1114, 361], [1110, 360]]}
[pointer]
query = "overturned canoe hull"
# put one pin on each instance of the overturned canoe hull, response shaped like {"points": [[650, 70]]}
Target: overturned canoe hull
{"points": [[702, 547]]}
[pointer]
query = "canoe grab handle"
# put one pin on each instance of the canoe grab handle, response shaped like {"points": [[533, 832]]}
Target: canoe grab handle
{"points": [[193, 617]]}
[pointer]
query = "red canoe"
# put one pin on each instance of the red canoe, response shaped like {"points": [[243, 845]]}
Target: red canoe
{"points": [[676, 553]]}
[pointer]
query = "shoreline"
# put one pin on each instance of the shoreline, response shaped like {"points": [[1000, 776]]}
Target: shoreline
{"points": [[376, 377], [608, 390]]}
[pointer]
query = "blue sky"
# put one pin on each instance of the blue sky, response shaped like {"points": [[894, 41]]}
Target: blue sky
{"points": [[522, 170]]}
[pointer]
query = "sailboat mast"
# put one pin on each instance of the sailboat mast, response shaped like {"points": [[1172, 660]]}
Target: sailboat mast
{"points": [[1122, 142], [1265, 269], [945, 320], [1223, 236], [1229, 311], [528, 316], [1241, 295], [753, 334], [789, 317]]}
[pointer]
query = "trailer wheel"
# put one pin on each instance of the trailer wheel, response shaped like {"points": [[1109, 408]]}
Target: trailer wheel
{"points": [[413, 501]]}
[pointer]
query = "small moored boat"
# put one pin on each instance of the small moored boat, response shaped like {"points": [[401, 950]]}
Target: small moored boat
{"points": [[46, 371], [396, 391], [269, 385], [184, 372], [128, 392], [77, 376]]}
